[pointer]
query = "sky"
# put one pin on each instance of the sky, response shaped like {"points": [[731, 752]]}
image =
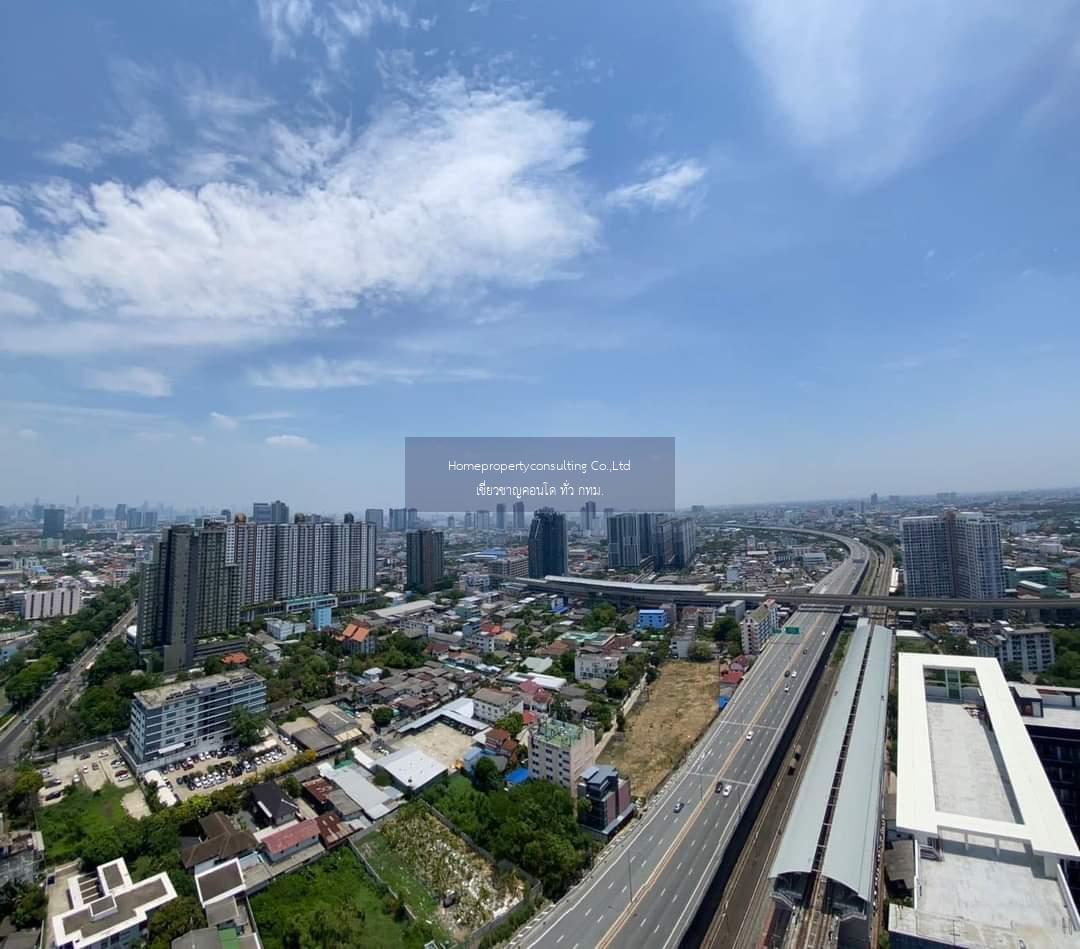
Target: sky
{"points": [[247, 246]]}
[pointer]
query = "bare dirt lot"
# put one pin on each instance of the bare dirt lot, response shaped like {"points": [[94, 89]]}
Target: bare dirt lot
{"points": [[660, 729]]}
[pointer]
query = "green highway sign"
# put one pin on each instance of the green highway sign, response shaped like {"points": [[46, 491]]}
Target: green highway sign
{"points": [[792, 630]]}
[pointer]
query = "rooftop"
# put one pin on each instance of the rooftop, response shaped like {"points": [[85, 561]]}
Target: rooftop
{"points": [[563, 734], [174, 690], [411, 768], [221, 882], [1013, 800]]}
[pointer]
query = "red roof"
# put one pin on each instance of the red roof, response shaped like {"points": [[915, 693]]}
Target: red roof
{"points": [[235, 659], [289, 837], [320, 789], [731, 678], [543, 696], [530, 718], [354, 632], [529, 687], [331, 829]]}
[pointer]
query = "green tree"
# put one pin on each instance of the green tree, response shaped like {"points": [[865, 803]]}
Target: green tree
{"points": [[512, 723], [29, 910], [247, 726], [382, 715], [172, 920], [617, 687], [213, 665], [291, 786], [1014, 671], [486, 776], [699, 652]]}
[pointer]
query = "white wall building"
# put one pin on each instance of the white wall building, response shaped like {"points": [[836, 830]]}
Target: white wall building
{"points": [[559, 752]]}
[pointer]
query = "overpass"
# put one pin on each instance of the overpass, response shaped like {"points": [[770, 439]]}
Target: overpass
{"points": [[698, 594], [650, 881]]}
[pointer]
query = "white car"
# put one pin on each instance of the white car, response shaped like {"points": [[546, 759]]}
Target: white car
{"points": [[787, 688], [749, 736], [793, 673], [727, 790]]}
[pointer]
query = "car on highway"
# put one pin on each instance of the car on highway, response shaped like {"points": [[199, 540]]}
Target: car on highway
{"points": [[787, 688], [679, 805], [793, 673], [727, 790], [750, 736], [787, 672]]}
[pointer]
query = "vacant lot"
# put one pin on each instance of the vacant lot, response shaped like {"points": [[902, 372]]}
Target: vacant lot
{"points": [[333, 902], [79, 815], [681, 702]]}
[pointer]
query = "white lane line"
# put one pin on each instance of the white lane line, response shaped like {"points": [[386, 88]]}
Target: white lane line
{"points": [[560, 939], [611, 884]]}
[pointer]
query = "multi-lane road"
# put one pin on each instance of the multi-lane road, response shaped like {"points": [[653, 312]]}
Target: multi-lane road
{"points": [[15, 738], [649, 882]]}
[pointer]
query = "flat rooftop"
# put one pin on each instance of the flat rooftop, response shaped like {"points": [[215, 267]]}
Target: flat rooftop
{"points": [[935, 793], [174, 690]]}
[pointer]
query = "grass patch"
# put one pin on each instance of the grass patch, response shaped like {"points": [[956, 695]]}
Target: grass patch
{"points": [[334, 902], [82, 814], [660, 730], [396, 874]]}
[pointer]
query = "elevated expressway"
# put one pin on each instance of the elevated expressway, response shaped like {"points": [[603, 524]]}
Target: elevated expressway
{"points": [[649, 883]]}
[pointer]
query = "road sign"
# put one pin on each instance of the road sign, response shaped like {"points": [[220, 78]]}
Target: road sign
{"points": [[792, 630]]}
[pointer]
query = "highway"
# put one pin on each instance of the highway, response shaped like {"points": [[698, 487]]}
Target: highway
{"points": [[647, 885], [15, 738]]}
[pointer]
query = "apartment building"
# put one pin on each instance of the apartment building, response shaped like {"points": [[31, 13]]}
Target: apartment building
{"points": [[594, 664], [65, 600], [174, 721], [489, 705], [758, 625], [956, 554], [560, 752], [608, 800], [1030, 647]]}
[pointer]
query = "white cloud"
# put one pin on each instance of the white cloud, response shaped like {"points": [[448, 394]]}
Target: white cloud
{"points": [[320, 373], [449, 189], [134, 379], [867, 88], [27, 434], [198, 439], [226, 422], [670, 184], [334, 23], [289, 441]]}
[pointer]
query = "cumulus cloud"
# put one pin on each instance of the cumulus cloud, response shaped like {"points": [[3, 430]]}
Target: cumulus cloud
{"points": [[134, 379], [869, 88], [449, 189], [321, 373], [670, 184], [226, 422], [289, 441]]}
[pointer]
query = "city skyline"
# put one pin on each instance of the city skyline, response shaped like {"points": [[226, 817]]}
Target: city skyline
{"points": [[519, 211]]}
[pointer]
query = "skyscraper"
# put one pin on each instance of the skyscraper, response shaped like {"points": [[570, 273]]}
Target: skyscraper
{"points": [[412, 518], [624, 550], [500, 517], [188, 592], [483, 520], [519, 515], [279, 513], [374, 515], [587, 518], [260, 512], [954, 554], [646, 532], [120, 514], [424, 558], [53, 523], [674, 542], [547, 544], [398, 518]]}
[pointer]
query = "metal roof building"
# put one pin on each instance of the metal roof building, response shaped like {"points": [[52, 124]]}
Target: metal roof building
{"points": [[849, 750]]}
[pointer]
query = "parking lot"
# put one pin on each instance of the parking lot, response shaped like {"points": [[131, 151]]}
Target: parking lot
{"points": [[93, 769], [209, 771]]}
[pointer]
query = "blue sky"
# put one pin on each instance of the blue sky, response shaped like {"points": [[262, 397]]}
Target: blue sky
{"points": [[248, 245]]}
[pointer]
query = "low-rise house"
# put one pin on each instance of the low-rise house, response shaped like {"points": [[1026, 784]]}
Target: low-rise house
{"points": [[357, 640], [222, 841], [608, 801], [590, 663], [489, 705], [290, 840], [108, 908], [271, 806]]}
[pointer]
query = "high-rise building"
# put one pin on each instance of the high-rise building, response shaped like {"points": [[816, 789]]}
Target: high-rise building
{"points": [[547, 544], [953, 555], [3, 514], [260, 512], [53, 522], [500, 517], [279, 512], [482, 520], [398, 519], [412, 518], [188, 592], [624, 550], [374, 515], [646, 534], [424, 558], [134, 519], [519, 515], [874, 499], [587, 518]]}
